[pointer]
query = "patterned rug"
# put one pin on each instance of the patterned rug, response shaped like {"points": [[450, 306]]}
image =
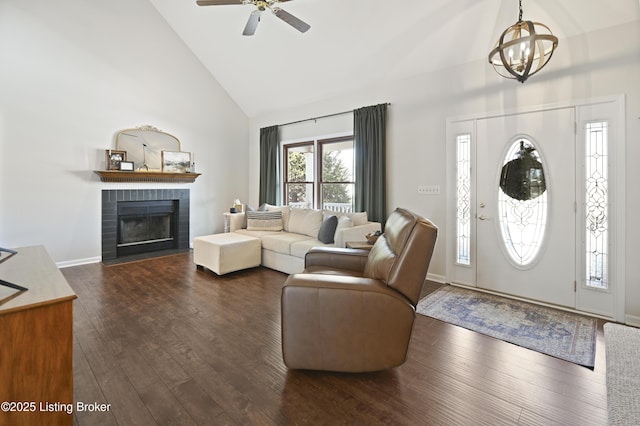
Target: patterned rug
{"points": [[561, 334], [622, 345]]}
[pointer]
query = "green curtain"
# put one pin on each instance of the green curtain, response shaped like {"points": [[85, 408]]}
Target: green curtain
{"points": [[269, 152], [370, 142]]}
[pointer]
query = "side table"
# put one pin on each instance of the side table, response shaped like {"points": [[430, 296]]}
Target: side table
{"points": [[233, 221], [362, 245]]}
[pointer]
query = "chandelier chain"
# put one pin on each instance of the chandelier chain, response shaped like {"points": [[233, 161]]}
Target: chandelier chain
{"points": [[520, 15]]}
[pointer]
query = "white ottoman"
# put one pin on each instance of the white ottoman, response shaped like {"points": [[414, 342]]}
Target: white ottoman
{"points": [[224, 253]]}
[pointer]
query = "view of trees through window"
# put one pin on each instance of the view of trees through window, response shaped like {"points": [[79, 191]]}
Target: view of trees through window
{"points": [[297, 177], [334, 183]]}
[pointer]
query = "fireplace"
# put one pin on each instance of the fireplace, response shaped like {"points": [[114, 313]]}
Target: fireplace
{"points": [[138, 224], [145, 226]]}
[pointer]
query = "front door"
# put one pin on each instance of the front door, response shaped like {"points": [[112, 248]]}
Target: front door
{"points": [[526, 205]]}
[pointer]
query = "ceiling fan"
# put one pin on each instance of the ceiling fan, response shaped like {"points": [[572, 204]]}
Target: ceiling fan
{"points": [[254, 18]]}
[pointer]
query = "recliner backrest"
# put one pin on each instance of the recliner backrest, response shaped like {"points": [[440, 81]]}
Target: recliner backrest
{"points": [[401, 256]]}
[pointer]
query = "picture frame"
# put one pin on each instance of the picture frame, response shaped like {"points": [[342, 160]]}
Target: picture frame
{"points": [[126, 166], [176, 162], [113, 158]]}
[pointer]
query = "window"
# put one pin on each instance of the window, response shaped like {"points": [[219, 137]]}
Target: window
{"points": [[337, 176], [463, 199], [597, 205], [320, 174], [299, 174]]}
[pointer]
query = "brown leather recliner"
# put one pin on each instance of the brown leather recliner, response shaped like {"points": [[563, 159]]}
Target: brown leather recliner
{"points": [[353, 310]]}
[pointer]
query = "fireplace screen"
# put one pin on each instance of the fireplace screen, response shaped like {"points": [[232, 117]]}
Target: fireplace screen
{"points": [[137, 230], [145, 226]]}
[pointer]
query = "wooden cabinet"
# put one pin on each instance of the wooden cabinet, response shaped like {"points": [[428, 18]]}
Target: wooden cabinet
{"points": [[36, 342]]}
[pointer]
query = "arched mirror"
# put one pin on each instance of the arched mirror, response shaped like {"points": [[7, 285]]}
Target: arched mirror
{"points": [[144, 146]]}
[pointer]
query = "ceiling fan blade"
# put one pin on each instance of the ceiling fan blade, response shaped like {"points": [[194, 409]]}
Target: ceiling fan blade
{"points": [[218, 2], [291, 20], [252, 23]]}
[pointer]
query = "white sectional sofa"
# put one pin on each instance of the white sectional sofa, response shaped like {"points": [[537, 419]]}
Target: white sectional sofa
{"points": [[284, 249]]}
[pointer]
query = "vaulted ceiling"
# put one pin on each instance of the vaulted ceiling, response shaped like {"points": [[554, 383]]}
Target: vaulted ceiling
{"points": [[355, 43]]}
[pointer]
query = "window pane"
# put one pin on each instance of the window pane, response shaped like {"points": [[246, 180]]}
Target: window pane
{"points": [[597, 205], [300, 195], [337, 197], [463, 199], [300, 163], [337, 161]]}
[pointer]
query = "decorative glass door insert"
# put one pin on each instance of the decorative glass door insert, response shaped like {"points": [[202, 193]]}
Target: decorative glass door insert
{"points": [[522, 203], [597, 205], [463, 199]]}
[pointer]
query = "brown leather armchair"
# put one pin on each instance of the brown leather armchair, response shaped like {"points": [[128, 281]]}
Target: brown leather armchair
{"points": [[353, 310]]}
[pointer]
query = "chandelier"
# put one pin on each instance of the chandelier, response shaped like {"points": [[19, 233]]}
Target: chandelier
{"points": [[523, 49]]}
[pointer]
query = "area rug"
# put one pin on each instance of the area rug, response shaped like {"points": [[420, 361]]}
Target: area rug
{"points": [[622, 345], [561, 334]]}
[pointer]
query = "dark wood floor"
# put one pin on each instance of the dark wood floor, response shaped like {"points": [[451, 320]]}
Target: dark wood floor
{"points": [[163, 343]]}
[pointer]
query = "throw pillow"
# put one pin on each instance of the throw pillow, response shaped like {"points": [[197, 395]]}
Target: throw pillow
{"points": [[285, 214], [328, 229], [345, 222], [248, 208], [264, 221]]}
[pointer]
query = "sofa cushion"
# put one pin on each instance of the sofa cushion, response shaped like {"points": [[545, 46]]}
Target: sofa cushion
{"points": [[264, 221], [327, 230], [257, 234], [281, 242], [359, 218], [300, 248], [305, 221]]}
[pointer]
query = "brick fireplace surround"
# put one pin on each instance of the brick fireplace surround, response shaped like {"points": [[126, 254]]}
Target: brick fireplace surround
{"points": [[110, 200]]}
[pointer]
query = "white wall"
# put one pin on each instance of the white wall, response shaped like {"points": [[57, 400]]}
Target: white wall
{"points": [[75, 72], [588, 66]]}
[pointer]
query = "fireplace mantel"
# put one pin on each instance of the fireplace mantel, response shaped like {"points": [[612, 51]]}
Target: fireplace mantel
{"points": [[123, 176]]}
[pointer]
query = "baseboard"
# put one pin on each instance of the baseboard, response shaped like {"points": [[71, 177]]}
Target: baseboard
{"points": [[441, 279], [78, 262], [632, 320]]}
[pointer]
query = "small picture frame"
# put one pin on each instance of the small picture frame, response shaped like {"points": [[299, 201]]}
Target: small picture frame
{"points": [[114, 158], [126, 166], [176, 162]]}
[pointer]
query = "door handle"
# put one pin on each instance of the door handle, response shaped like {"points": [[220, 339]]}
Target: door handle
{"points": [[483, 217]]}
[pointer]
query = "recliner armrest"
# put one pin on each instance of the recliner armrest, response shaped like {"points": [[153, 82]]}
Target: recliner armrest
{"points": [[335, 257]]}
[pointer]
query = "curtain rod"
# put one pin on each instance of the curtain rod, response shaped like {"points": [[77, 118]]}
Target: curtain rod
{"points": [[322, 116]]}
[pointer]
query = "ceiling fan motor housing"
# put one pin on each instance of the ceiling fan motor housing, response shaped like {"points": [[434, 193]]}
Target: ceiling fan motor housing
{"points": [[261, 6]]}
